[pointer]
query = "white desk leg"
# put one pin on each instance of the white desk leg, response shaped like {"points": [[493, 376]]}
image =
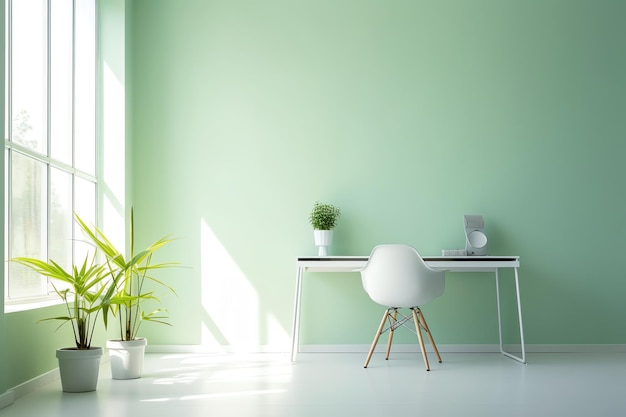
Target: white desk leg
{"points": [[295, 333], [521, 359], [499, 310], [519, 315]]}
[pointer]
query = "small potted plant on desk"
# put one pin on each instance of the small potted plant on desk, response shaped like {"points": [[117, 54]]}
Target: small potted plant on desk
{"points": [[130, 276], [85, 292], [323, 218]]}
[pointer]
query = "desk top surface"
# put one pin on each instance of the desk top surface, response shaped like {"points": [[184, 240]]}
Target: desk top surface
{"points": [[426, 258], [442, 263]]}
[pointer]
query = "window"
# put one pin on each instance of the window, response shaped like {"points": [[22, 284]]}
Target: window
{"points": [[50, 135]]}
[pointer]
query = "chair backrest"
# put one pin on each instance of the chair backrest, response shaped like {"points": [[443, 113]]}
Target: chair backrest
{"points": [[397, 276]]}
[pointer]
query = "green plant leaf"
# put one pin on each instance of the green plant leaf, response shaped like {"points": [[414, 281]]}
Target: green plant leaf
{"points": [[324, 216]]}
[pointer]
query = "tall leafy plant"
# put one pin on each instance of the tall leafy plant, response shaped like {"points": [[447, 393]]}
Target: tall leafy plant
{"points": [[130, 276], [86, 295]]}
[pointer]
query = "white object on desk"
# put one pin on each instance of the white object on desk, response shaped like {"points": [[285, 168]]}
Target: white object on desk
{"points": [[453, 252], [475, 238], [441, 263]]}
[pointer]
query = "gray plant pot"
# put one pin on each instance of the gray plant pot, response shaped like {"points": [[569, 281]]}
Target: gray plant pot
{"points": [[79, 368]]}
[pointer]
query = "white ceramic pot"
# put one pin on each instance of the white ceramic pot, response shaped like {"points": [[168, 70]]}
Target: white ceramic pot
{"points": [[323, 239], [126, 357], [79, 368]]}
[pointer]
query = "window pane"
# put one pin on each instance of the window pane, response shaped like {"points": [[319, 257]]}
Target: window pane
{"points": [[28, 224], [6, 82], [51, 106], [85, 207], [85, 91], [6, 220], [61, 26], [29, 74], [60, 242]]}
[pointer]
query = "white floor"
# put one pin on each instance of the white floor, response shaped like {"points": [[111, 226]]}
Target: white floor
{"points": [[485, 384]]}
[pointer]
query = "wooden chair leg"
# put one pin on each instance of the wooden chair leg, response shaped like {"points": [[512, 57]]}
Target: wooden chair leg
{"points": [[380, 330], [419, 336], [430, 336], [395, 316]]}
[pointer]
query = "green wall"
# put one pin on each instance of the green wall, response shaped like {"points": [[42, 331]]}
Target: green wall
{"points": [[407, 115]]}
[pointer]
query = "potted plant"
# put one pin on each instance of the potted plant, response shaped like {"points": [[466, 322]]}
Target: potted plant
{"points": [[129, 277], [85, 293], [323, 218]]}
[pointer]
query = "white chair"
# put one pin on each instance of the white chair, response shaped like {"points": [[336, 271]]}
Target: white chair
{"points": [[397, 277]]}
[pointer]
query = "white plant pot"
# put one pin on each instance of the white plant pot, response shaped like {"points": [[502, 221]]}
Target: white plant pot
{"points": [[323, 239], [126, 357], [79, 368]]}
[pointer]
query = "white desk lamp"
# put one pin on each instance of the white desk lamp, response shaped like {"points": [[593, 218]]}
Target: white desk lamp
{"points": [[475, 239]]}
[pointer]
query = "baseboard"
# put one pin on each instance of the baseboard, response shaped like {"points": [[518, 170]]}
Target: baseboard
{"points": [[399, 347], [576, 348], [472, 348], [6, 399], [214, 349], [451, 348]]}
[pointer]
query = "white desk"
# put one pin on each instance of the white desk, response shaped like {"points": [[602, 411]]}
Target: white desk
{"points": [[441, 263]]}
